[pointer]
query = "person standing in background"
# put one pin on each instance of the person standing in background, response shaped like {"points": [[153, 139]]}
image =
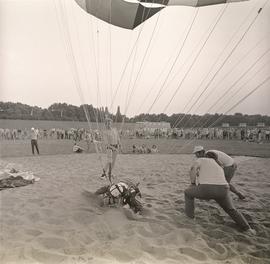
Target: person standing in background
{"points": [[34, 140]]}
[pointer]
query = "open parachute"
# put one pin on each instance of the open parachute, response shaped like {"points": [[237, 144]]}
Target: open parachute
{"points": [[131, 13]]}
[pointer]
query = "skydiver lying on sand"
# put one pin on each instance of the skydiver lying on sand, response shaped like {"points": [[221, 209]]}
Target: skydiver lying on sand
{"points": [[121, 193]]}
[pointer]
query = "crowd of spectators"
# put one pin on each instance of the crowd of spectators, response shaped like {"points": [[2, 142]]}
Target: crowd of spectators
{"points": [[251, 134], [144, 149]]}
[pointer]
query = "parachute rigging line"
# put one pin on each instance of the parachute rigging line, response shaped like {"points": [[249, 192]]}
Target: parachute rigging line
{"points": [[176, 58], [127, 62], [230, 88], [144, 56], [241, 76], [218, 19], [110, 52], [243, 85], [229, 55], [140, 68], [167, 63], [84, 66], [193, 62], [231, 108], [227, 74], [241, 100], [91, 33], [211, 68], [130, 79], [74, 67], [70, 55], [197, 55]]}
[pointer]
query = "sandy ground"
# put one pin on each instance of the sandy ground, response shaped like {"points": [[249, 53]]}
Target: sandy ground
{"points": [[19, 148], [56, 221]]}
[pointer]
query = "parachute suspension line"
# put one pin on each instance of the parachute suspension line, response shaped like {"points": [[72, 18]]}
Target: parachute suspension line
{"points": [[73, 62], [63, 27], [128, 100], [167, 63], [229, 55], [212, 67], [227, 74], [71, 59], [241, 76], [110, 53], [90, 26], [91, 33], [94, 110], [97, 147], [196, 57], [244, 98], [129, 85], [230, 98], [84, 68], [219, 17], [242, 86], [231, 108], [145, 55], [100, 116], [230, 88], [131, 74], [128, 60], [176, 58]]}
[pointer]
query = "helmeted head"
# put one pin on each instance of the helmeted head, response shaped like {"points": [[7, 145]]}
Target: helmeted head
{"points": [[199, 151], [32, 128]]}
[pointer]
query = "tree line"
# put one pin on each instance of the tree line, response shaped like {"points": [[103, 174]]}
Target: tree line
{"points": [[68, 112]]}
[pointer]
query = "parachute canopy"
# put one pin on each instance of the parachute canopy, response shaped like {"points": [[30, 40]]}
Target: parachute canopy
{"points": [[131, 13]]}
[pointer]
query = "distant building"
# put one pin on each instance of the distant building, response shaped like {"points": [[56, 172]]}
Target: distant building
{"points": [[153, 125], [243, 125], [260, 125], [225, 125]]}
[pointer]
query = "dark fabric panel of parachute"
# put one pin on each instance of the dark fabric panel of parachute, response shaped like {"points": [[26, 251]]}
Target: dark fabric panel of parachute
{"points": [[118, 12], [131, 13]]}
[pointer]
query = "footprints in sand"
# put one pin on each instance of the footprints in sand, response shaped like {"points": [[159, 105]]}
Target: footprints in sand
{"points": [[193, 253], [48, 257], [33, 232], [52, 242], [55, 223]]}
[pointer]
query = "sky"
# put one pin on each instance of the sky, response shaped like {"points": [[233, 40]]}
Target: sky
{"points": [[53, 51]]}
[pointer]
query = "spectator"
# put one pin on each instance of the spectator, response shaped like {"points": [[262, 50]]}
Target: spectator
{"points": [[34, 140]]}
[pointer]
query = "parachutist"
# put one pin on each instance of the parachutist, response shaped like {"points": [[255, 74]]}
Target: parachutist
{"points": [[112, 141], [123, 193]]}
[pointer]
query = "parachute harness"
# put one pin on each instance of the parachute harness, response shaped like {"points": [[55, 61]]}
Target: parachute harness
{"points": [[122, 194]]}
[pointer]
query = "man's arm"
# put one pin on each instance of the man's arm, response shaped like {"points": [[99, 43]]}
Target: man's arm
{"points": [[194, 172]]}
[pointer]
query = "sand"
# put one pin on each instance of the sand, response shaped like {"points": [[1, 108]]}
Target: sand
{"points": [[55, 221]]}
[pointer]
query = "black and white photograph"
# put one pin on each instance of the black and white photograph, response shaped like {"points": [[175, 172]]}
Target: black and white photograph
{"points": [[135, 131]]}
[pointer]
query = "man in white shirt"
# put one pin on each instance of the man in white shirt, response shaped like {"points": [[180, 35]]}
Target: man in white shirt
{"points": [[34, 138], [208, 182], [226, 162]]}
